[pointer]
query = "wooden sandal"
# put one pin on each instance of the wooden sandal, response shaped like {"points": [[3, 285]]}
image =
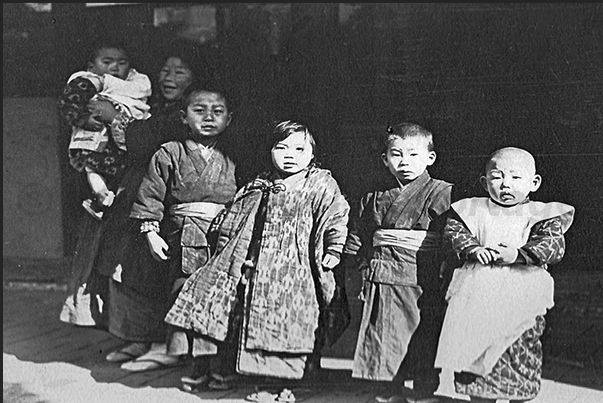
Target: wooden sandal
{"points": [[286, 395]]}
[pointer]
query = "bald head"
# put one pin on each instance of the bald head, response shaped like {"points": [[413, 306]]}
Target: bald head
{"points": [[510, 176], [522, 159]]}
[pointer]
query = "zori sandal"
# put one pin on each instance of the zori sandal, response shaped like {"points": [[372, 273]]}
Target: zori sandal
{"points": [[191, 384], [262, 397], [286, 395], [128, 353]]}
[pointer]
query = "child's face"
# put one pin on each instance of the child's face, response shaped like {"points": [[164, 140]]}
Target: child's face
{"points": [[111, 61], [408, 158], [293, 154], [174, 78], [510, 178], [207, 115]]}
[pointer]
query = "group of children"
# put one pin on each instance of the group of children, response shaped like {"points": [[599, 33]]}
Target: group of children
{"points": [[257, 264]]}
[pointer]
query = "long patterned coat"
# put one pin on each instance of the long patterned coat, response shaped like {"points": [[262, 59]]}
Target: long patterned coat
{"points": [[287, 287]]}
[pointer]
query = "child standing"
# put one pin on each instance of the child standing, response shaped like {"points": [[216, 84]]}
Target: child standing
{"points": [[187, 184], [396, 240], [498, 298], [97, 149], [262, 291]]}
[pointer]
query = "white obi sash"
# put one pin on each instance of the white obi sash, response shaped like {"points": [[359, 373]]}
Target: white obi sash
{"points": [[203, 210], [410, 239]]}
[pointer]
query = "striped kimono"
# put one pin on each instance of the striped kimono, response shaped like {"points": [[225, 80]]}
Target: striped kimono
{"points": [[396, 235], [283, 286]]}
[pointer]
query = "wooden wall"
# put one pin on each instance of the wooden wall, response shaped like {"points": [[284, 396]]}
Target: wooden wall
{"points": [[479, 76]]}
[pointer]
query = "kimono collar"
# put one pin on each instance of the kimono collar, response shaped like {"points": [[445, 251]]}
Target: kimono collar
{"points": [[419, 181], [205, 150]]}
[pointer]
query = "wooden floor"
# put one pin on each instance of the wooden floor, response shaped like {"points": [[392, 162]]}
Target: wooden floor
{"points": [[33, 334]]}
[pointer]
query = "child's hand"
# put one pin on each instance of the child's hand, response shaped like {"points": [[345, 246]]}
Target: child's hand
{"points": [[483, 255], [330, 261], [363, 264], [92, 124], [505, 254], [157, 246], [103, 110]]}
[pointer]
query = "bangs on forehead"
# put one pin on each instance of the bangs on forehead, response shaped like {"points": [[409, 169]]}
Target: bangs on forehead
{"points": [[287, 128]]}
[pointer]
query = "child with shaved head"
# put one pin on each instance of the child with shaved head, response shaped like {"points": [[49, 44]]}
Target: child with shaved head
{"points": [[497, 300]]}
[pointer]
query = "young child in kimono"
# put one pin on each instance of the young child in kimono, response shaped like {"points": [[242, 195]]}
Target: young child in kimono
{"points": [[95, 148], [262, 291], [396, 240], [187, 184], [497, 300]]}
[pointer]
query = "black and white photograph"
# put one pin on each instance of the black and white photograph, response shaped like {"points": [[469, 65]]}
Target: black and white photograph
{"points": [[302, 202]]}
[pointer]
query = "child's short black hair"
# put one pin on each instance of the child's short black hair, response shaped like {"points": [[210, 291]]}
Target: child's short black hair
{"points": [[194, 56], [215, 88], [405, 130], [106, 43]]}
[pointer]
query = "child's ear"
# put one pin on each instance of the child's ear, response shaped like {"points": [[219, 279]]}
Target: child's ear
{"points": [[484, 182], [431, 158], [384, 159], [536, 182], [183, 116]]}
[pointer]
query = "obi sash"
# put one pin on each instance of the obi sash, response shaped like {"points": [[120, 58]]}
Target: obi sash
{"points": [[409, 239], [203, 210]]}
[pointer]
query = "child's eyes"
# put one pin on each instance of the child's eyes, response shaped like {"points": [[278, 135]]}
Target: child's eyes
{"points": [[166, 70], [300, 149]]}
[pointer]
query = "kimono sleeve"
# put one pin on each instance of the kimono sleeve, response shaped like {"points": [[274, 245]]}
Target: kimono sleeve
{"points": [[149, 203], [457, 234], [74, 99], [441, 200], [546, 244], [332, 214]]}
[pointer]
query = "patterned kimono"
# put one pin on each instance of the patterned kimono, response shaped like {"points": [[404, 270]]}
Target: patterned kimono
{"points": [[495, 317], [180, 177], [397, 235], [283, 233]]}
